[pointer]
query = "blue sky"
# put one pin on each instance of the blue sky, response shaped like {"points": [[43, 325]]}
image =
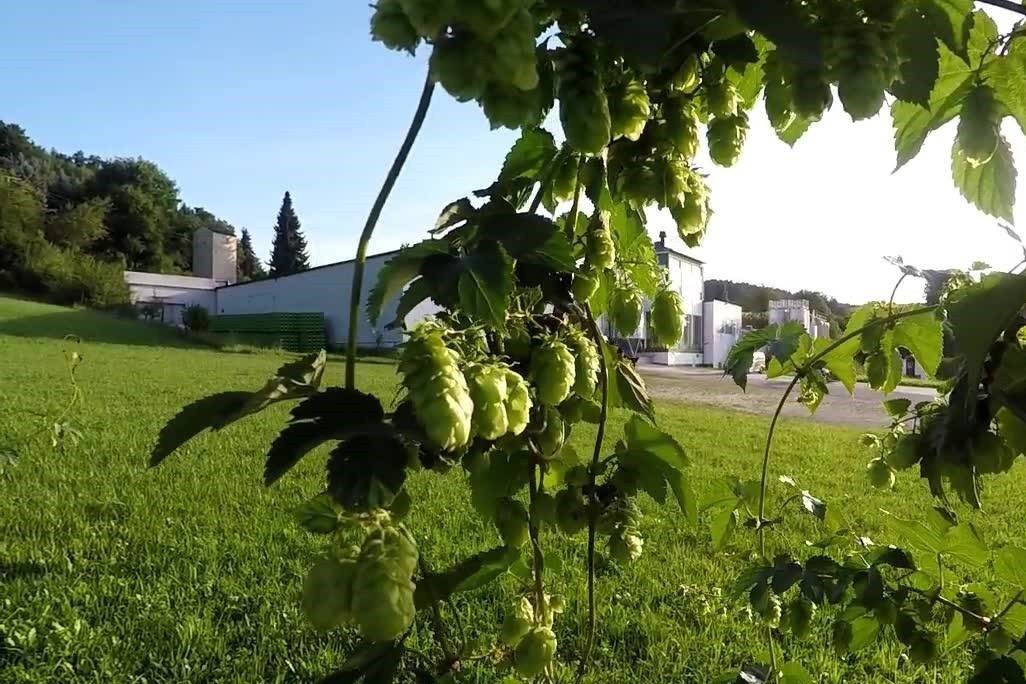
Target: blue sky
{"points": [[240, 101]]}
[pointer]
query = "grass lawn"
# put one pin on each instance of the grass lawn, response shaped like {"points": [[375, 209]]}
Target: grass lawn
{"points": [[111, 572]]}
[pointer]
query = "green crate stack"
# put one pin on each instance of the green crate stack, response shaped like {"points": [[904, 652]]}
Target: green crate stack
{"points": [[294, 332]]}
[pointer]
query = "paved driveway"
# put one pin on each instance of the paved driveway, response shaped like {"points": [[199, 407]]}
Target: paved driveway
{"points": [[708, 386]]}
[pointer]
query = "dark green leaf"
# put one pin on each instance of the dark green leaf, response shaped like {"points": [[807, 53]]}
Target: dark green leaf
{"points": [[486, 284], [530, 154], [530, 237], [912, 122], [781, 342], [415, 293], [362, 660], [781, 22], [863, 632], [786, 573], [469, 574], [923, 336], [454, 213], [631, 389], [794, 673], [892, 556], [990, 187], [334, 414], [737, 52], [208, 412], [318, 515], [682, 490], [1010, 566], [642, 436], [897, 407], [642, 36], [949, 19], [916, 40], [722, 527], [399, 270], [367, 471]]}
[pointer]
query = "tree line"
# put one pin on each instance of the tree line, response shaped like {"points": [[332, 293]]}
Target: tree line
{"points": [[71, 224]]}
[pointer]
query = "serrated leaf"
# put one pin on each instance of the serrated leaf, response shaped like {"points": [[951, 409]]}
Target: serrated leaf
{"points": [[684, 492], [814, 506], [416, 292], [794, 673], [294, 380], [916, 534], [964, 544], [335, 414], [912, 122], [531, 238], [208, 412], [319, 515], [949, 19], [1010, 566], [467, 575], [781, 22], [641, 436], [839, 361], [366, 472], [486, 284], [400, 270], [1006, 75], [453, 214], [529, 155], [990, 187], [897, 407], [627, 388], [923, 336], [864, 631], [722, 527], [982, 37]]}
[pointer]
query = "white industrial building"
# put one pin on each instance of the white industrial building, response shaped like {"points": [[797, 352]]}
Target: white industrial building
{"points": [[710, 328], [784, 310]]}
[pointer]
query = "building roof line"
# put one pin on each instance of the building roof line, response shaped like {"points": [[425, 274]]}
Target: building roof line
{"points": [[314, 268]]}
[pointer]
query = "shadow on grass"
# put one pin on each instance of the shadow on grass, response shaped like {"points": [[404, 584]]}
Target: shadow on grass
{"points": [[13, 570], [92, 326]]}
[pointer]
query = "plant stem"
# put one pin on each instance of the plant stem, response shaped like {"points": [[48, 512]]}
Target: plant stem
{"points": [[596, 335], [436, 615], [539, 558], [894, 292], [780, 406], [543, 183], [571, 219], [773, 652], [1009, 5], [372, 221]]}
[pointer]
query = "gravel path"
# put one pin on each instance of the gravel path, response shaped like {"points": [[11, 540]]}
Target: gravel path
{"points": [[708, 386]]}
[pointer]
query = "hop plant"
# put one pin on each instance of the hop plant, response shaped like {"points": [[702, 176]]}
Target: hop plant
{"points": [[771, 610], [489, 392], [383, 589], [428, 17], [721, 99], [688, 75], [625, 546], [513, 58], [571, 510], [799, 616], [511, 521], [485, 18], [391, 27], [639, 183], [553, 371], [726, 137], [625, 310], [810, 92], [979, 127], [599, 246], [436, 387], [667, 317], [583, 107], [461, 64], [585, 284], [629, 109], [518, 403], [543, 508], [881, 474], [681, 127], [587, 366], [692, 214], [552, 435], [535, 651], [564, 179], [327, 598], [508, 106], [861, 68]]}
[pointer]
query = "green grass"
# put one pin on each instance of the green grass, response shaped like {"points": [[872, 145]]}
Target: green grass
{"points": [[112, 572]]}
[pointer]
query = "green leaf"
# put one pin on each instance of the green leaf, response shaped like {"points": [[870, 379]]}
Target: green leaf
{"points": [[923, 336], [781, 341], [794, 673], [722, 527], [642, 436], [415, 293], [366, 472], [897, 407], [683, 491], [399, 270], [530, 237], [486, 284], [469, 574], [1006, 75], [982, 39], [334, 414], [964, 544], [294, 380], [912, 122], [1012, 431], [839, 362], [917, 534], [454, 213], [916, 40], [529, 155], [979, 316], [209, 412], [949, 19], [318, 515], [864, 631], [1010, 566], [626, 387], [990, 187], [782, 23]]}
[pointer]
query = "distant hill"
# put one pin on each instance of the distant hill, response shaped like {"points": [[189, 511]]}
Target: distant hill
{"points": [[755, 298]]}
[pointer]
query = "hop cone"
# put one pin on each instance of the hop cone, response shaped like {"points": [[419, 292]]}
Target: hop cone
{"points": [[436, 387], [518, 403], [382, 587], [583, 108], [553, 370], [667, 318], [489, 392], [629, 110], [587, 367], [625, 310]]}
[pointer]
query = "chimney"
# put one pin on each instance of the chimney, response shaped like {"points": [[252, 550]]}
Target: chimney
{"points": [[662, 239]]}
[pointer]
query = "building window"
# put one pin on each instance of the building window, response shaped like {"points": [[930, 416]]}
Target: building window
{"points": [[692, 339]]}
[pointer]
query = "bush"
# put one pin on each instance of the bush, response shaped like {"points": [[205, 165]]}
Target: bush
{"points": [[196, 318], [68, 277]]}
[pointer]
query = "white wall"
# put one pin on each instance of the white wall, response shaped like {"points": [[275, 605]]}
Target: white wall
{"points": [[722, 326], [173, 292], [324, 289]]}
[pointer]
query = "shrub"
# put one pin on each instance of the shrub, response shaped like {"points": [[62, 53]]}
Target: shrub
{"points": [[196, 318]]}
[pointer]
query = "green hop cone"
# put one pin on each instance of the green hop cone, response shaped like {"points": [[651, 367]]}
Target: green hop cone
{"points": [[625, 310], [391, 26], [721, 99], [587, 366], [552, 436], [629, 109], [771, 611], [623, 514], [600, 250], [437, 388], [640, 184], [459, 63], [518, 403], [668, 318], [564, 179], [583, 108], [682, 127], [800, 614], [489, 392], [485, 18], [328, 593], [513, 59], [726, 136], [553, 371], [979, 126], [860, 69], [881, 474], [584, 286], [535, 651], [571, 510], [688, 75], [810, 93], [383, 606], [508, 106], [428, 17], [513, 629], [691, 216], [625, 547], [511, 521]]}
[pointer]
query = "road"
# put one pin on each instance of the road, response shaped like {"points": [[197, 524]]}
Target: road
{"points": [[709, 386]]}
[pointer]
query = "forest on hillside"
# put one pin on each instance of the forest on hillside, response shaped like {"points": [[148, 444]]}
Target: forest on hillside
{"points": [[754, 301]]}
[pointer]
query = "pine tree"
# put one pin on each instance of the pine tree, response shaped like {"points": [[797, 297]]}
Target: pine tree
{"points": [[288, 253], [249, 265]]}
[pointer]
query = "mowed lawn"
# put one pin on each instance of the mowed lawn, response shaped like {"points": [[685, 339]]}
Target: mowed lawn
{"points": [[113, 572]]}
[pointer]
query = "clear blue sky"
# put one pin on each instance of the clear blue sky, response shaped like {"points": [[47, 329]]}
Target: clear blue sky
{"points": [[240, 101]]}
